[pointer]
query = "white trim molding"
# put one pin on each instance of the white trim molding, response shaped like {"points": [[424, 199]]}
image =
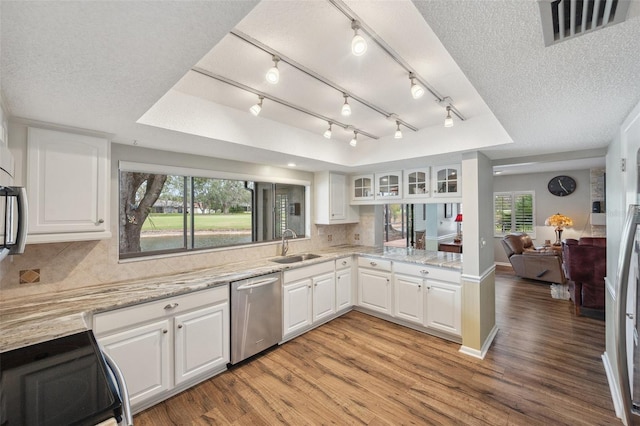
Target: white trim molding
{"points": [[485, 346], [613, 387]]}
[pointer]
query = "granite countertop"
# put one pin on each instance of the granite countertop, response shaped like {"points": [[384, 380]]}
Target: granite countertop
{"points": [[50, 316]]}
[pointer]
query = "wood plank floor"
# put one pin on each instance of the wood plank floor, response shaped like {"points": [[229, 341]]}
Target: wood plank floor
{"points": [[544, 368]]}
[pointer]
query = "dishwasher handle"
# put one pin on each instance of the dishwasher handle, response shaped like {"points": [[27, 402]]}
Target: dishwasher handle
{"points": [[256, 284]]}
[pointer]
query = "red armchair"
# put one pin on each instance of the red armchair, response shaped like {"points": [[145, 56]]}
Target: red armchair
{"points": [[585, 265]]}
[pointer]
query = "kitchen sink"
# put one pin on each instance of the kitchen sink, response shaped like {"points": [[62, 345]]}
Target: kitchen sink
{"points": [[295, 258]]}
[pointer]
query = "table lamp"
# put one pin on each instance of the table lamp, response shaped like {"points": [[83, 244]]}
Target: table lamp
{"points": [[560, 222], [458, 221]]}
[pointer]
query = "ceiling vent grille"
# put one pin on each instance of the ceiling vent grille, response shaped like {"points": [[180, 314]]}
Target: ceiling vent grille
{"points": [[565, 19]]}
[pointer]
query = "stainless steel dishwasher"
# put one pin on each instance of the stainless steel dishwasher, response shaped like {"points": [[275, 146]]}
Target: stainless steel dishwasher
{"points": [[256, 315]]}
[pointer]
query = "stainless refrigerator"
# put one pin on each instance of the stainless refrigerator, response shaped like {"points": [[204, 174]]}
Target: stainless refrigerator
{"points": [[626, 316]]}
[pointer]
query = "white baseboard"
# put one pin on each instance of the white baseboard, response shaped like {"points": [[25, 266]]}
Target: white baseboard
{"points": [[613, 386], [485, 347]]}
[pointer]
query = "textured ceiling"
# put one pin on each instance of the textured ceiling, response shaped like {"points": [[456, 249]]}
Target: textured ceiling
{"points": [[104, 65]]}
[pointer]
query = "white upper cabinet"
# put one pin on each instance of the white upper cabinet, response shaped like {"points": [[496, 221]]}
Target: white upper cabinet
{"points": [[388, 186], [362, 188], [332, 199], [67, 186], [446, 181], [417, 183]]}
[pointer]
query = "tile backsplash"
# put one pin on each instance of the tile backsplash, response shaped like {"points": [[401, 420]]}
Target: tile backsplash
{"points": [[79, 264]]}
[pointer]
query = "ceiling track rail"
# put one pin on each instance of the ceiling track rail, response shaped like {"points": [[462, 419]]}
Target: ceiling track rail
{"points": [[283, 58], [303, 110], [351, 15]]}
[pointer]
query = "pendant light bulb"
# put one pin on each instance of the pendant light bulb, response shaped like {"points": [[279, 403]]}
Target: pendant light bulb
{"points": [[416, 90], [448, 121], [255, 110], [358, 43], [346, 109], [327, 133], [273, 75], [354, 140], [398, 134]]}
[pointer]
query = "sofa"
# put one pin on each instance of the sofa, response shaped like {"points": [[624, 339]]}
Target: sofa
{"points": [[585, 264], [542, 264]]}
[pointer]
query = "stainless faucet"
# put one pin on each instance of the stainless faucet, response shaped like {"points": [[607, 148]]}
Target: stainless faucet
{"points": [[285, 243]]}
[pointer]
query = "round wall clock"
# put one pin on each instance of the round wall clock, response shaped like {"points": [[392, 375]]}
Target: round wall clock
{"points": [[562, 186]]}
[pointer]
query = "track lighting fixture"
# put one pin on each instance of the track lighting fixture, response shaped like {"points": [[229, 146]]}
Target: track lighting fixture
{"points": [[358, 43], [416, 90], [448, 121], [398, 134], [273, 75], [354, 140], [327, 133], [255, 110], [346, 109]]}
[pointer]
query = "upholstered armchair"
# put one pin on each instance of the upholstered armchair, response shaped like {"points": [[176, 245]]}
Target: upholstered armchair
{"points": [[585, 263], [529, 262]]}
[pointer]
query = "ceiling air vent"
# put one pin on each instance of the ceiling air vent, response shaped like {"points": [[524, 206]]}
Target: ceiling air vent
{"points": [[565, 19]]}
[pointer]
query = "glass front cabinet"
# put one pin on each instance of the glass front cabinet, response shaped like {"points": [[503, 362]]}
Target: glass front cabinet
{"points": [[362, 187], [388, 185], [416, 183], [446, 181]]}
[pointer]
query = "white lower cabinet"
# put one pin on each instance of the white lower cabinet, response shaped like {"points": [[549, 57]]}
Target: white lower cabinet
{"points": [[444, 307], [143, 354], [374, 285], [309, 297], [408, 298], [344, 284], [166, 345]]}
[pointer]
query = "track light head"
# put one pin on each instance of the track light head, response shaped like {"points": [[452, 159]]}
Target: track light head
{"points": [[346, 109], [416, 90], [398, 134], [255, 110], [358, 43], [273, 75], [327, 133], [448, 121], [354, 140]]}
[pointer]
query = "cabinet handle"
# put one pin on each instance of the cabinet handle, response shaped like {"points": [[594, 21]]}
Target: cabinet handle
{"points": [[100, 221], [179, 325], [165, 331], [419, 286], [309, 286], [171, 306], [424, 272], [373, 263], [344, 262], [387, 280], [315, 285]]}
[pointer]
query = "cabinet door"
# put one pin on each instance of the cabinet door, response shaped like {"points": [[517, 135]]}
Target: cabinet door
{"points": [[374, 290], [337, 197], [67, 176], [343, 289], [201, 341], [416, 183], [143, 355], [409, 298], [362, 187], [444, 307], [388, 186], [324, 296], [297, 307], [446, 181]]}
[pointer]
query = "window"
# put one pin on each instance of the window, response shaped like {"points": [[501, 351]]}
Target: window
{"points": [[168, 213], [513, 212]]}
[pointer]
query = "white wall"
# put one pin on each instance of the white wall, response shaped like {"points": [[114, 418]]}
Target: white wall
{"points": [[577, 205]]}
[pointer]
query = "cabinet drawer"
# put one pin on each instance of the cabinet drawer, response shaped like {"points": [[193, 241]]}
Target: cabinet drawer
{"points": [[307, 271], [429, 272], [112, 320], [371, 263], [344, 263]]}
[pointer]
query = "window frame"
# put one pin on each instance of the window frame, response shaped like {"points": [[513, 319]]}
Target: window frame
{"points": [[129, 166], [514, 221]]}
